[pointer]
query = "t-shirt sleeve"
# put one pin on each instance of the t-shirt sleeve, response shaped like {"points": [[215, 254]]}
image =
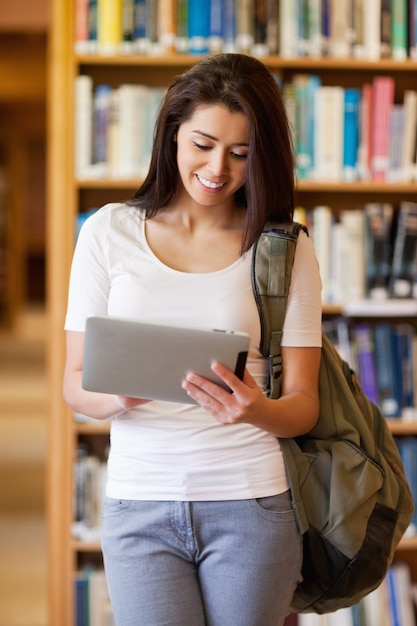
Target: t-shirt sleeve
{"points": [[303, 319], [89, 278]]}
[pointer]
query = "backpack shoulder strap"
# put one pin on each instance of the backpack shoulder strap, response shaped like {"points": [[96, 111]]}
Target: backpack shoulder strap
{"points": [[272, 262]]}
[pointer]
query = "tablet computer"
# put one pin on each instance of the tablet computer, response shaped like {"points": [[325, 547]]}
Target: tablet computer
{"points": [[149, 360]]}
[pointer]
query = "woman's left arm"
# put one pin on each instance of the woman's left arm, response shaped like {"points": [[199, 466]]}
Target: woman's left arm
{"points": [[293, 414]]}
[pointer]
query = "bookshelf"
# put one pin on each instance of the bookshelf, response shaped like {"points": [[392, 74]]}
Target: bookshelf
{"points": [[67, 196]]}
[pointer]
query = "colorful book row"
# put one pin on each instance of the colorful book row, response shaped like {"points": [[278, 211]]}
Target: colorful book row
{"points": [[367, 29], [349, 134], [384, 356], [114, 128], [365, 253]]}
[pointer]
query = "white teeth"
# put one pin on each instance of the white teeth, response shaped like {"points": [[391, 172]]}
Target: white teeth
{"points": [[209, 183]]}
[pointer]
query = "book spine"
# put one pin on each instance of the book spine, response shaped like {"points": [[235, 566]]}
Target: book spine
{"points": [[181, 37], [272, 28], [288, 35], [244, 25], [389, 385], [363, 338], [350, 134], [395, 170], [409, 135], [83, 120], [198, 26], [216, 26], [93, 25], [412, 29], [81, 44], [386, 28], [358, 49], [166, 25], [382, 102], [328, 140], [128, 26], [372, 29], [102, 100], [405, 246], [378, 252], [260, 46], [315, 47], [109, 33], [339, 28], [399, 29]]}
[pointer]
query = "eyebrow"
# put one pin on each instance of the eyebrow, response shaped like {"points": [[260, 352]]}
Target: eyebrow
{"points": [[200, 132]]}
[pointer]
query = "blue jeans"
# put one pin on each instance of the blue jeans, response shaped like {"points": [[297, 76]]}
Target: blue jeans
{"points": [[227, 563]]}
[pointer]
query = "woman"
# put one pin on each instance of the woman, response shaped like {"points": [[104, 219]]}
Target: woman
{"points": [[198, 527]]}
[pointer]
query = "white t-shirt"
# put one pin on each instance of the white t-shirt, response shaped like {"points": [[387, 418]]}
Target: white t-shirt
{"points": [[170, 451]]}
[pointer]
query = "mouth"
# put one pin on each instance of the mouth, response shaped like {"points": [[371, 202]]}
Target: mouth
{"points": [[208, 183]]}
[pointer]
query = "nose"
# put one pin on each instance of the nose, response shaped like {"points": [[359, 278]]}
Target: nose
{"points": [[218, 163]]}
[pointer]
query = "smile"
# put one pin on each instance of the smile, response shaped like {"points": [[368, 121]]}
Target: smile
{"points": [[209, 183]]}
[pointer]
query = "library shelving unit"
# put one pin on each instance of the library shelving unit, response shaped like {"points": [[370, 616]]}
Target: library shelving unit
{"points": [[68, 196]]}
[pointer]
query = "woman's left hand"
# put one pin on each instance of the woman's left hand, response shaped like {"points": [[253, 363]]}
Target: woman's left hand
{"points": [[241, 405]]}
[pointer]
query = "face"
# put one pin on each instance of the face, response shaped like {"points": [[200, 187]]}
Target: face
{"points": [[212, 150]]}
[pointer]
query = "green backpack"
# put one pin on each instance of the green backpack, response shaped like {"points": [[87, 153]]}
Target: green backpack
{"points": [[349, 491]]}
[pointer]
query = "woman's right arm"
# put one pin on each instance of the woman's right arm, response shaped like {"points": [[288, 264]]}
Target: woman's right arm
{"points": [[95, 405]]}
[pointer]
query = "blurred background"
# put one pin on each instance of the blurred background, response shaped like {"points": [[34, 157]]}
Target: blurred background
{"points": [[23, 394]]}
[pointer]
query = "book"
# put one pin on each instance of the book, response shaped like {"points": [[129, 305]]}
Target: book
{"points": [[198, 26], [322, 242], [109, 27], [328, 133], [396, 136], [388, 375], [378, 249], [260, 46], [305, 87], [350, 134], [101, 121], [382, 102], [244, 25], [402, 589], [340, 28], [408, 452], [386, 30], [353, 223], [81, 43], [166, 25], [142, 34], [83, 124], [363, 338], [272, 29], [403, 337], [216, 26], [181, 35], [288, 31], [372, 29], [315, 39], [412, 29], [364, 148], [409, 143], [358, 46], [93, 26], [399, 29], [229, 26], [128, 26], [403, 271]]}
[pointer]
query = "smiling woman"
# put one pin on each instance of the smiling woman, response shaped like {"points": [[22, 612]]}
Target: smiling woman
{"points": [[198, 526]]}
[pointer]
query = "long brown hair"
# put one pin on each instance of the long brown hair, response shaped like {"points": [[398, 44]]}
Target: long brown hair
{"points": [[242, 84]]}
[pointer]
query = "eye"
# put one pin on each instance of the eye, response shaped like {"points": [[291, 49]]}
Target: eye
{"points": [[201, 146], [239, 157]]}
